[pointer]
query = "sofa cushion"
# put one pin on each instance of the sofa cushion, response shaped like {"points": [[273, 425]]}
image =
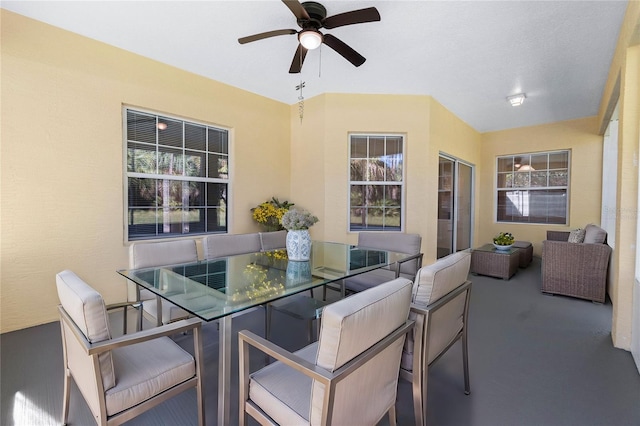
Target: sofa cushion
{"points": [[577, 236], [594, 234]]}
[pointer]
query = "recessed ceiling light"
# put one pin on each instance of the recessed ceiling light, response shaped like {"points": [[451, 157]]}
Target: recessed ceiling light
{"points": [[161, 125], [516, 100]]}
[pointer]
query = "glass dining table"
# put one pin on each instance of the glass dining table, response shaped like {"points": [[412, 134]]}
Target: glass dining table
{"points": [[218, 288]]}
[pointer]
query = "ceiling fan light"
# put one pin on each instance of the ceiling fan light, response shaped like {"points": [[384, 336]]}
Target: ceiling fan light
{"points": [[310, 39], [517, 100]]}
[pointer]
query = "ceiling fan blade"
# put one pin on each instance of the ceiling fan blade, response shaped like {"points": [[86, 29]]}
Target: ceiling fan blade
{"points": [[298, 60], [296, 8], [359, 16], [260, 36], [339, 46]]}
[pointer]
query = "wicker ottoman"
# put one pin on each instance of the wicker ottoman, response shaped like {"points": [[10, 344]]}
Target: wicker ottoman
{"points": [[526, 252], [486, 260]]}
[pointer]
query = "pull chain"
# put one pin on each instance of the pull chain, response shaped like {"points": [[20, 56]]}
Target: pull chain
{"points": [[300, 100]]}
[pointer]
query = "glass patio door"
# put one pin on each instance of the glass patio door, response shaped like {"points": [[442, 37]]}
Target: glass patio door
{"points": [[455, 205]]}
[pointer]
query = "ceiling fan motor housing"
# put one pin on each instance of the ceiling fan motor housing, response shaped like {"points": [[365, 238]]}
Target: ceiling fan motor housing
{"points": [[316, 12]]}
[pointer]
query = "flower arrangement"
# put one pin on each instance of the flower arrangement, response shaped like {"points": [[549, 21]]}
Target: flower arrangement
{"points": [[297, 219], [269, 213], [504, 239]]}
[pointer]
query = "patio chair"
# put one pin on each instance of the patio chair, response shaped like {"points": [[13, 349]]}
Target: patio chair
{"points": [[147, 255], [123, 377], [440, 308], [576, 269], [392, 241], [348, 377]]}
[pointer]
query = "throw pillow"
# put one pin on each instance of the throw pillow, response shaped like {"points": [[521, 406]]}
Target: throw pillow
{"points": [[577, 235], [594, 234]]}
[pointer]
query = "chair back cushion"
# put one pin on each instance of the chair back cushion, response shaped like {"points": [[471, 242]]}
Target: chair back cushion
{"points": [[273, 240], [148, 255], [440, 278], [350, 327], [432, 283], [86, 308], [394, 241], [593, 234], [221, 245]]}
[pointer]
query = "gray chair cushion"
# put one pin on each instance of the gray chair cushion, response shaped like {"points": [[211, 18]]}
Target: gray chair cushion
{"points": [[221, 245], [146, 369], [146, 255], [273, 240], [285, 391], [86, 308]]}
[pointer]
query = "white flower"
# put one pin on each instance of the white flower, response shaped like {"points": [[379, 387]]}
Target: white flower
{"points": [[296, 219]]}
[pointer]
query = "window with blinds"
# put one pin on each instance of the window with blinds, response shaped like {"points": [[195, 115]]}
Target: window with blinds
{"points": [[177, 176], [376, 182], [533, 187]]}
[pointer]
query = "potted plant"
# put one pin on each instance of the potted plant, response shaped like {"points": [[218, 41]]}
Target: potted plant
{"points": [[269, 213], [297, 222], [503, 241]]}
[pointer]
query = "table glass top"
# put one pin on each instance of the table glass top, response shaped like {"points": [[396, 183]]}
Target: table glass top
{"points": [[211, 289], [492, 249]]}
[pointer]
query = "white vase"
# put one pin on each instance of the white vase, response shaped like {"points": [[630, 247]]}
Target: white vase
{"points": [[298, 273], [502, 247], [299, 245]]}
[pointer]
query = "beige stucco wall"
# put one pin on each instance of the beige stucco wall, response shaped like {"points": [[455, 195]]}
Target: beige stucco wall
{"points": [[320, 156], [62, 157], [582, 138]]}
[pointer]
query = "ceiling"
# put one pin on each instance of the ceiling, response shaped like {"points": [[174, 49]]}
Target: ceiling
{"points": [[468, 55]]}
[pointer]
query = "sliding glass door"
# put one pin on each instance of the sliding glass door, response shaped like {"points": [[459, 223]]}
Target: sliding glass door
{"points": [[455, 205]]}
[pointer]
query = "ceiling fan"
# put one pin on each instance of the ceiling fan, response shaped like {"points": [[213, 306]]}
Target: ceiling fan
{"points": [[311, 16]]}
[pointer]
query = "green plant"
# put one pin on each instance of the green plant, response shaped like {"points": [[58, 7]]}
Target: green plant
{"points": [[269, 213], [503, 239], [296, 219]]}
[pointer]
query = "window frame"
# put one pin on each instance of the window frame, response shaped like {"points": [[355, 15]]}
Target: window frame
{"points": [[513, 157], [183, 177], [401, 183]]}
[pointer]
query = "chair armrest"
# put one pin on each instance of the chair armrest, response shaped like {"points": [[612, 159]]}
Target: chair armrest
{"points": [[312, 370], [119, 305], [129, 339], [417, 257], [246, 337]]}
